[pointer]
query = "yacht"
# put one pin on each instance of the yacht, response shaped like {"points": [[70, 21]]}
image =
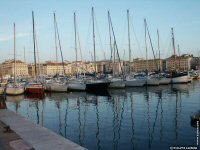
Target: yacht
{"points": [[76, 85], [34, 88], [117, 83], [135, 82], [97, 85], [14, 89], [56, 86]]}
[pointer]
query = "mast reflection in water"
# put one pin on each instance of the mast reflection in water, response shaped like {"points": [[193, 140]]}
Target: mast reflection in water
{"points": [[131, 118]]}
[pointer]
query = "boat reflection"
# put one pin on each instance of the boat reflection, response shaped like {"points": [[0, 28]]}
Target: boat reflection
{"points": [[117, 92], [15, 100], [57, 96], [99, 93], [184, 88], [36, 96], [36, 104], [2, 104], [75, 95]]}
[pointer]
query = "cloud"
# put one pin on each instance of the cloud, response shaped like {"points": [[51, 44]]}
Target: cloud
{"points": [[10, 37]]}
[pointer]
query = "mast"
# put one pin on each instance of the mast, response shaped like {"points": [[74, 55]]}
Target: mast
{"points": [[129, 44], [56, 44], [147, 29], [124, 62], [79, 48], [114, 59], [14, 55], [179, 57], [111, 49], [94, 39], [34, 43], [63, 64], [159, 49], [24, 54], [145, 26], [38, 58], [173, 45], [75, 42], [115, 43]]}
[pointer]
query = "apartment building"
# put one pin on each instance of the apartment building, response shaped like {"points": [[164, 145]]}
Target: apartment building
{"points": [[7, 68], [50, 68], [182, 63], [151, 65]]}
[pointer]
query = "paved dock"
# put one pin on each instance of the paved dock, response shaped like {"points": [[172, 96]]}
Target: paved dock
{"points": [[6, 137], [32, 136]]}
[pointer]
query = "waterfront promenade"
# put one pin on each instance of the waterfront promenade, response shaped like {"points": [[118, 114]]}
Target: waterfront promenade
{"points": [[28, 136]]}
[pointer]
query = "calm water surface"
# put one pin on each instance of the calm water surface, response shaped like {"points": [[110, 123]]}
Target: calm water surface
{"points": [[133, 118]]}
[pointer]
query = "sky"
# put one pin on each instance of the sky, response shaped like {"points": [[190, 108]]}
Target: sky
{"points": [[162, 15]]}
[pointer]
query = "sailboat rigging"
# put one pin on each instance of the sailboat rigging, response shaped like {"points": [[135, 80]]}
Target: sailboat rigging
{"points": [[14, 89], [56, 30], [115, 43], [177, 76], [147, 29], [116, 82], [163, 76], [77, 84], [129, 43], [56, 85], [159, 65], [35, 86], [150, 80], [131, 81], [96, 85]]}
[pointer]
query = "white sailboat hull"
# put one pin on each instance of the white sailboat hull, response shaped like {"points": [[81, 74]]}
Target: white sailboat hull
{"points": [[190, 79], [165, 80], [116, 83], [135, 82], [77, 86], [182, 79], [1, 90], [153, 81], [14, 90], [56, 87]]}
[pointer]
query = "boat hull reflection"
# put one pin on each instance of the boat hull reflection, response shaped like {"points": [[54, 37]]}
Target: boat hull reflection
{"points": [[38, 96], [16, 98]]}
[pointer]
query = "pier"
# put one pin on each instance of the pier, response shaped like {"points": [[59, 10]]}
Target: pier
{"points": [[32, 136]]}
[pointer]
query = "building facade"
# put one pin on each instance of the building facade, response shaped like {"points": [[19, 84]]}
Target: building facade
{"points": [[7, 69], [50, 68], [151, 65], [195, 63], [181, 63]]}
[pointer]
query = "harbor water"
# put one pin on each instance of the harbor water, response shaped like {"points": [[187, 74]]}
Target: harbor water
{"points": [[132, 118]]}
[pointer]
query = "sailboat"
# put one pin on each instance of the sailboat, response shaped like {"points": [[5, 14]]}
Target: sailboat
{"points": [[14, 88], [96, 85], [56, 85], [35, 86], [177, 77], [131, 81], [77, 84], [115, 82]]}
